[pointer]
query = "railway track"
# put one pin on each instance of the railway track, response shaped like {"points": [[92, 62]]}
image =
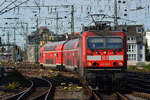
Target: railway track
{"points": [[14, 97], [119, 96], [40, 89], [139, 81], [96, 95]]}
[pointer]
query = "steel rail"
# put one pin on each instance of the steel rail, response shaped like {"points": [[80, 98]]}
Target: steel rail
{"points": [[29, 89], [44, 95], [49, 90]]}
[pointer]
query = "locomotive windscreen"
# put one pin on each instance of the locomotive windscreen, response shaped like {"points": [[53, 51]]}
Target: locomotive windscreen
{"points": [[104, 42], [113, 43]]}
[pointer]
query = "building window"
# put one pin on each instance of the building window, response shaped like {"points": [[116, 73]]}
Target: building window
{"points": [[124, 29], [131, 57], [131, 38], [141, 56], [131, 48], [139, 29], [141, 47]]}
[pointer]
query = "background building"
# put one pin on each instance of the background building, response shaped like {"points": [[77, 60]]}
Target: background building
{"points": [[37, 39], [135, 43]]}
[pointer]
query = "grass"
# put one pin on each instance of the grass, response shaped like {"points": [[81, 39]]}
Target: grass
{"points": [[142, 68], [131, 68], [147, 67]]}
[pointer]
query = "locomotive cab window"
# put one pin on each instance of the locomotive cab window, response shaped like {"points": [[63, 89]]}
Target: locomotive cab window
{"points": [[104, 43], [95, 42], [113, 43]]}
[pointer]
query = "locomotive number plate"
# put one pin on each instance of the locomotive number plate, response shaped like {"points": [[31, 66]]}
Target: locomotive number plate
{"points": [[105, 57]]}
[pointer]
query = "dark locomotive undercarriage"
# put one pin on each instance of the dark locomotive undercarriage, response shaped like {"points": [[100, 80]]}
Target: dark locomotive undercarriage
{"points": [[105, 79]]}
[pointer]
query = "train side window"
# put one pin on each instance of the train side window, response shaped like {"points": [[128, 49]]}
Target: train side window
{"points": [[78, 45], [57, 54]]}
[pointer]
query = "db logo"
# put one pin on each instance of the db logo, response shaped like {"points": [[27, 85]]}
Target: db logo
{"points": [[105, 57]]}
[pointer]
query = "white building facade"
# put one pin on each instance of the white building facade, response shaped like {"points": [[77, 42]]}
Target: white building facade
{"points": [[135, 44], [148, 39], [135, 51]]}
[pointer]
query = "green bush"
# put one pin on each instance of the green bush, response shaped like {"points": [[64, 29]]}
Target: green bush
{"points": [[144, 68], [147, 67], [131, 68]]}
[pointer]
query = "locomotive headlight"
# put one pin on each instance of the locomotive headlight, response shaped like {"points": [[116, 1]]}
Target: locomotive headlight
{"points": [[89, 64], [120, 64], [105, 52]]}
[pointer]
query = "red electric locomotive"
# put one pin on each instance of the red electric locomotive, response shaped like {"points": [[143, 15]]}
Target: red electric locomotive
{"points": [[98, 55], [102, 57]]}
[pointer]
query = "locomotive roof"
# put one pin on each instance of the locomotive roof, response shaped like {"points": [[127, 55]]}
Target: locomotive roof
{"points": [[105, 33]]}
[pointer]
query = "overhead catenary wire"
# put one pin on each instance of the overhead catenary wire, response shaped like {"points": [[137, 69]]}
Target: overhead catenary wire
{"points": [[14, 7], [8, 5], [2, 2], [37, 5]]}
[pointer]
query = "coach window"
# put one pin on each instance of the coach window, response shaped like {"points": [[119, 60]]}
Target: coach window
{"points": [[57, 54], [75, 53], [78, 45], [72, 54]]}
